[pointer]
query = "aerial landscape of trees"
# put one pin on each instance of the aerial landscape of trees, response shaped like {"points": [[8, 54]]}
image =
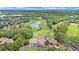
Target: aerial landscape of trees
{"points": [[40, 30]]}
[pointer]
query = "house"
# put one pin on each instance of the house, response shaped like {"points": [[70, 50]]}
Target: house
{"points": [[41, 41]]}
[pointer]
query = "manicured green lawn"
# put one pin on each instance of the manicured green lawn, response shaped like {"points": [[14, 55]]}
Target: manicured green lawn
{"points": [[32, 49], [73, 30], [44, 25]]}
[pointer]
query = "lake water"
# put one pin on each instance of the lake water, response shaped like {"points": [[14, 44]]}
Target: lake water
{"points": [[36, 25]]}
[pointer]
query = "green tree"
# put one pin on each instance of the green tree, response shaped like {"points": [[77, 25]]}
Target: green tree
{"points": [[60, 31]]}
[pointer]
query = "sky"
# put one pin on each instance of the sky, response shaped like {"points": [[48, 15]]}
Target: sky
{"points": [[39, 3]]}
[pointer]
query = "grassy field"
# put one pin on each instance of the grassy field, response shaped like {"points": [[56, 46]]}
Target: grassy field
{"points": [[73, 30], [44, 25], [32, 49]]}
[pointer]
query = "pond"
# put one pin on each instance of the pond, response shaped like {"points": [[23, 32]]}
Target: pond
{"points": [[36, 25]]}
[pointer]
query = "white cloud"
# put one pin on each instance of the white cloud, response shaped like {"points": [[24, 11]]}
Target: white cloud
{"points": [[39, 3]]}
